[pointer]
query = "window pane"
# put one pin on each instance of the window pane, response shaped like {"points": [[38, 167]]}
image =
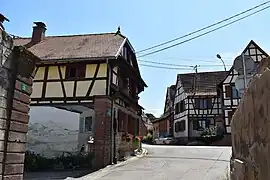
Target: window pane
{"points": [[88, 124], [235, 92], [72, 72], [228, 91]]}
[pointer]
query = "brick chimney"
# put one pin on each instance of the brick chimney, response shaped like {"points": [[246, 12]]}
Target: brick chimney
{"points": [[38, 32]]}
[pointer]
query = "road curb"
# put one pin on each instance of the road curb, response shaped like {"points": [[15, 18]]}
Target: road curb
{"points": [[102, 172]]}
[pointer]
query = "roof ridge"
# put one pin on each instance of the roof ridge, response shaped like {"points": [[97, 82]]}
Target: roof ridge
{"points": [[201, 72], [75, 35]]}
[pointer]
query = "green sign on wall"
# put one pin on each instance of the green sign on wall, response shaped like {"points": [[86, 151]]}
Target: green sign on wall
{"points": [[23, 87]]}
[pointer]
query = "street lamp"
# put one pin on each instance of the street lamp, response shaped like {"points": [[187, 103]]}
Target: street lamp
{"points": [[219, 57]]}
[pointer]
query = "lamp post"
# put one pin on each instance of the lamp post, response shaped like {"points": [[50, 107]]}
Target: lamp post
{"points": [[219, 57]]}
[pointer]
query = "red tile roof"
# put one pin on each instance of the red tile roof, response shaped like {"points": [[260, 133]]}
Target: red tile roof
{"points": [[75, 46]]}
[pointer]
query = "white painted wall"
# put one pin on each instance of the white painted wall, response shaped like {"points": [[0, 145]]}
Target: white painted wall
{"points": [[52, 131], [181, 116]]}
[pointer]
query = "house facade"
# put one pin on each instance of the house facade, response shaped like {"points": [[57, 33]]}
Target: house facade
{"points": [[196, 104], [230, 97], [94, 75], [163, 126]]}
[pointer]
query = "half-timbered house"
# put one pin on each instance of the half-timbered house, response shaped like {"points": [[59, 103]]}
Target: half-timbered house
{"points": [[230, 96], [95, 75], [164, 124], [196, 103]]}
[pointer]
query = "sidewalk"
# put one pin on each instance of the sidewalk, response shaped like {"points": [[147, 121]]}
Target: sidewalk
{"points": [[106, 170]]}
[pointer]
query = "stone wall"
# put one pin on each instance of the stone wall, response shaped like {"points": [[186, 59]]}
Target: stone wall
{"points": [[250, 131]]}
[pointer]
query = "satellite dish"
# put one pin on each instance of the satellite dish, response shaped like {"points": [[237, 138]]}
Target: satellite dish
{"points": [[238, 64], [240, 83]]}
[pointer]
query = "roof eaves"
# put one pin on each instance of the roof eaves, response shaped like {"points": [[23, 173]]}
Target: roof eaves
{"points": [[49, 60], [120, 48]]}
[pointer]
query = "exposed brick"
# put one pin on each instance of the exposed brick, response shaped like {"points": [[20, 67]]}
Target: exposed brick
{"points": [[3, 102], [18, 116], [15, 147], [27, 90], [13, 158], [2, 134], [3, 113], [21, 97], [13, 169], [17, 126], [3, 92], [28, 81], [1, 156], [103, 122], [17, 136], [2, 144], [19, 106], [13, 177]]}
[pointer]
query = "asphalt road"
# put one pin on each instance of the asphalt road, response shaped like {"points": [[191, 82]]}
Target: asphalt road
{"points": [[174, 163]]}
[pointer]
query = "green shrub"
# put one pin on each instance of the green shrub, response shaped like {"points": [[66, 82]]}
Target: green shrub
{"points": [[35, 162], [149, 137]]}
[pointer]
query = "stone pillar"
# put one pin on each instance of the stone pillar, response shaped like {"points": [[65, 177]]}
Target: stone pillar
{"points": [[103, 131], [16, 74]]}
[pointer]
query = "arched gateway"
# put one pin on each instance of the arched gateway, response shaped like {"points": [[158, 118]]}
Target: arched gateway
{"points": [[79, 73]]}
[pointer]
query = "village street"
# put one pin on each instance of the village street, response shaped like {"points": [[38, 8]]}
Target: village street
{"points": [[172, 162]]}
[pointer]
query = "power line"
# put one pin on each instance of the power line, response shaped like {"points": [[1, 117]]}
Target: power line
{"points": [[189, 59], [178, 65], [207, 27], [163, 67], [203, 34]]}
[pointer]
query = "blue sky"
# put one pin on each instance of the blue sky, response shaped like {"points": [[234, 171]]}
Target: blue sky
{"points": [[148, 23]]}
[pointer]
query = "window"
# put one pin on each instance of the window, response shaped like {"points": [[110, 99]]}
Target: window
{"points": [[120, 117], [74, 71], [177, 108], [201, 124], [180, 126], [125, 52], [180, 107], [88, 124], [231, 91], [235, 93], [203, 103]]}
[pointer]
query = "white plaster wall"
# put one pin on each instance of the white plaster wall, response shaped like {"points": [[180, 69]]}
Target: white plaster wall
{"points": [[183, 115], [52, 131]]}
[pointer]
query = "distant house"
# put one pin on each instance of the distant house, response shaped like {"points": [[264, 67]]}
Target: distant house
{"points": [[163, 126], [230, 96], [196, 104], [146, 125]]}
